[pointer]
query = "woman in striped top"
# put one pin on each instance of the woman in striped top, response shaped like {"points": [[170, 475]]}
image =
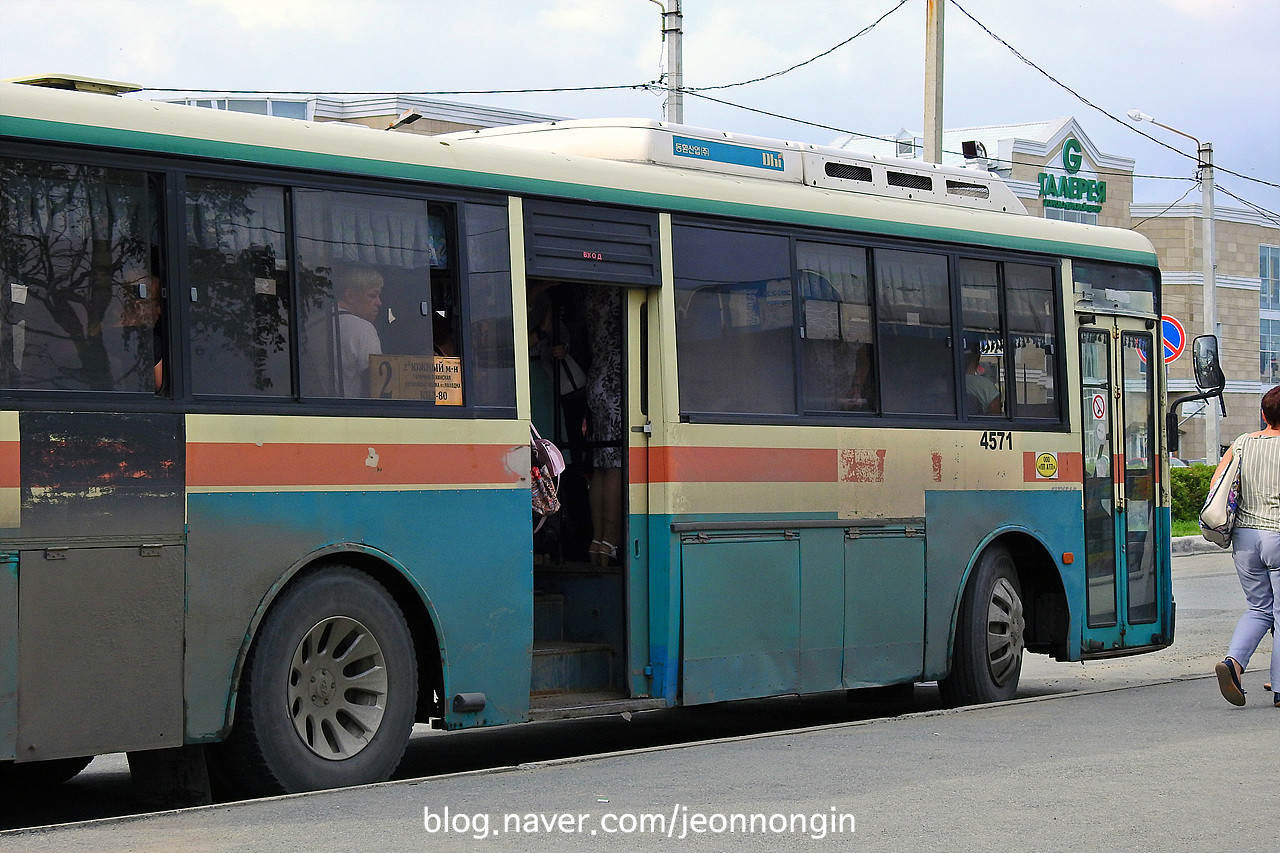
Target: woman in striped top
{"points": [[1255, 544]]}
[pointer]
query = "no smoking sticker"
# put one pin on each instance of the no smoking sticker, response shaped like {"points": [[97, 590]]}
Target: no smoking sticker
{"points": [[1047, 466], [1099, 407]]}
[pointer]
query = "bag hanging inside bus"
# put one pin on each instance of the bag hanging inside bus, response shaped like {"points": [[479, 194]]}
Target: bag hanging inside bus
{"points": [[548, 464], [546, 454]]}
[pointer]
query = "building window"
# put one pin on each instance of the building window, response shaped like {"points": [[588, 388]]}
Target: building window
{"points": [[257, 106], [1269, 274], [1269, 351], [1071, 215]]}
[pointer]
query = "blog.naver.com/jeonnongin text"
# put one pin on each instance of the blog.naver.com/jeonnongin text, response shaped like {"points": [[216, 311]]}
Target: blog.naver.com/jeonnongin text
{"points": [[677, 823]]}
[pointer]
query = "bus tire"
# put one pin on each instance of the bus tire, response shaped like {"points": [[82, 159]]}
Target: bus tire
{"points": [[329, 690], [987, 659], [38, 775]]}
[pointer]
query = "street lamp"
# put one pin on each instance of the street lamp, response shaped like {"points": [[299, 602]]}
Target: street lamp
{"points": [[1204, 153]]}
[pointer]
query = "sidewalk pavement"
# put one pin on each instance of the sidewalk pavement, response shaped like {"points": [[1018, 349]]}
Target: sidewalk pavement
{"points": [[1194, 544], [1157, 767]]}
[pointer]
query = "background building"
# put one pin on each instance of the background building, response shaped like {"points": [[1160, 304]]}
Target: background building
{"points": [[376, 111], [1058, 173]]}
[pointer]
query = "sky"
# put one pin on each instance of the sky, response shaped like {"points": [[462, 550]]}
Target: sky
{"points": [[1209, 68]]}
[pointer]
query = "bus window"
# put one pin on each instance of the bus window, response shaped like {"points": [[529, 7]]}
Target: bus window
{"points": [[1033, 337], [377, 298], [837, 345], [489, 307], [734, 324], [914, 311], [80, 299], [238, 271], [984, 373]]}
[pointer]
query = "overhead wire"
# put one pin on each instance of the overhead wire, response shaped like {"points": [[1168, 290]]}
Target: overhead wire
{"points": [[402, 93], [868, 28], [1257, 208], [1094, 106], [1169, 208], [1002, 163], [657, 86]]}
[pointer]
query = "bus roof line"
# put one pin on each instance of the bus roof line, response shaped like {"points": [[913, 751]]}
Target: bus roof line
{"points": [[25, 128]]}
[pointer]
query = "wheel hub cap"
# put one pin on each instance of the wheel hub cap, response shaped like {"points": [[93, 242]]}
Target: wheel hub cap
{"points": [[323, 688], [1005, 623], [337, 688]]}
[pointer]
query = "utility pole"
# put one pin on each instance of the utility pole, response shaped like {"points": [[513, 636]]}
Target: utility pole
{"points": [[1208, 265], [671, 31], [1208, 259], [933, 49]]}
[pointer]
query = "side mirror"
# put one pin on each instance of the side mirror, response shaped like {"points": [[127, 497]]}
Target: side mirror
{"points": [[1209, 379], [1204, 360]]}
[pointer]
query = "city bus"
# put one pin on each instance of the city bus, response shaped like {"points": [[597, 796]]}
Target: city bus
{"points": [[830, 422]]}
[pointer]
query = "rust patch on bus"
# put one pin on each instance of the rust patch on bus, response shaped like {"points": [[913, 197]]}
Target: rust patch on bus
{"points": [[860, 465]]}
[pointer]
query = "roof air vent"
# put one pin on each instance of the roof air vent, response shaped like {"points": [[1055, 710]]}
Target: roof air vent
{"points": [[910, 181], [848, 172]]}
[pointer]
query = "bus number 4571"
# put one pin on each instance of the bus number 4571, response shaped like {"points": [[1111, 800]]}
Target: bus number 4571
{"points": [[997, 440]]}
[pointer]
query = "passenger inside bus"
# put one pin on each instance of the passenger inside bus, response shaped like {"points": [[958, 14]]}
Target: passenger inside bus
{"points": [[602, 306], [144, 314], [442, 336], [571, 325], [862, 392], [981, 395], [359, 298]]}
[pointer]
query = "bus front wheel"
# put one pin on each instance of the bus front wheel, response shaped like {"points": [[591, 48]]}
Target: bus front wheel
{"points": [[987, 658], [329, 689]]}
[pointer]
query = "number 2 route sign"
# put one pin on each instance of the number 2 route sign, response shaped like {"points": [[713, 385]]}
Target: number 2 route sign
{"points": [[1175, 338]]}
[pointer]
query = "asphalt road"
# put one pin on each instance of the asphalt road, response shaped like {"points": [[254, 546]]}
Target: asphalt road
{"points": [[897, 776]]}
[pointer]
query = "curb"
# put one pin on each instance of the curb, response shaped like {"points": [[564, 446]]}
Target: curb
{"points": [[1195, 545]]}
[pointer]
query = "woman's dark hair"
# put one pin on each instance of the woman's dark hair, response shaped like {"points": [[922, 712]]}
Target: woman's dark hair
{"points": [[1271, 407]]}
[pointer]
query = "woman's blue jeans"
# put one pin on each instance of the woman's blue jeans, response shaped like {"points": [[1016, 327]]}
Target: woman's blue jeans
{"points": [[1257, 557]]}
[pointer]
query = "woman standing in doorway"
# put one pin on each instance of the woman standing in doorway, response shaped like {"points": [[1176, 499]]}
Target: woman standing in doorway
{"points": [[602, 306], [1255, 545]]}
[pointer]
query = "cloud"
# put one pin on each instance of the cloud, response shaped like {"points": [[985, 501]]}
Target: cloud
{"points": [[329, 15]]}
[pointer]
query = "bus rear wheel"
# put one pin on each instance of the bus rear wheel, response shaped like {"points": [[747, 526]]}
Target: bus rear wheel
{"points": [[987, 659], [329, 690]]}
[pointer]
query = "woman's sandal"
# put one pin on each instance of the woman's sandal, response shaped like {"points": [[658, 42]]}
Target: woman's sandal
{"points": [[1229, 681]]}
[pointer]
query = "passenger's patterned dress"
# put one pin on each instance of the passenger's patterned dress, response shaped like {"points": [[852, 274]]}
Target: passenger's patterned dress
{"points": [[603, 308]]}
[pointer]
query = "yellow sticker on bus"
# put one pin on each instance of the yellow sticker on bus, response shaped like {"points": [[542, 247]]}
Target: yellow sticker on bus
{"points": [[1047, 466]]}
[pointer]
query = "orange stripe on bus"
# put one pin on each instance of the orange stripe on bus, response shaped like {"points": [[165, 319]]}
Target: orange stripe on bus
{"points": [[737, 464], [10, 465], [287, 464]]}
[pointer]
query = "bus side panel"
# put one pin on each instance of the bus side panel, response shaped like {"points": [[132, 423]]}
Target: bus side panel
{"points": [[742, 607], [8, 656], [664, 609], [468, 550], [884, 608], [958, 523]]}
